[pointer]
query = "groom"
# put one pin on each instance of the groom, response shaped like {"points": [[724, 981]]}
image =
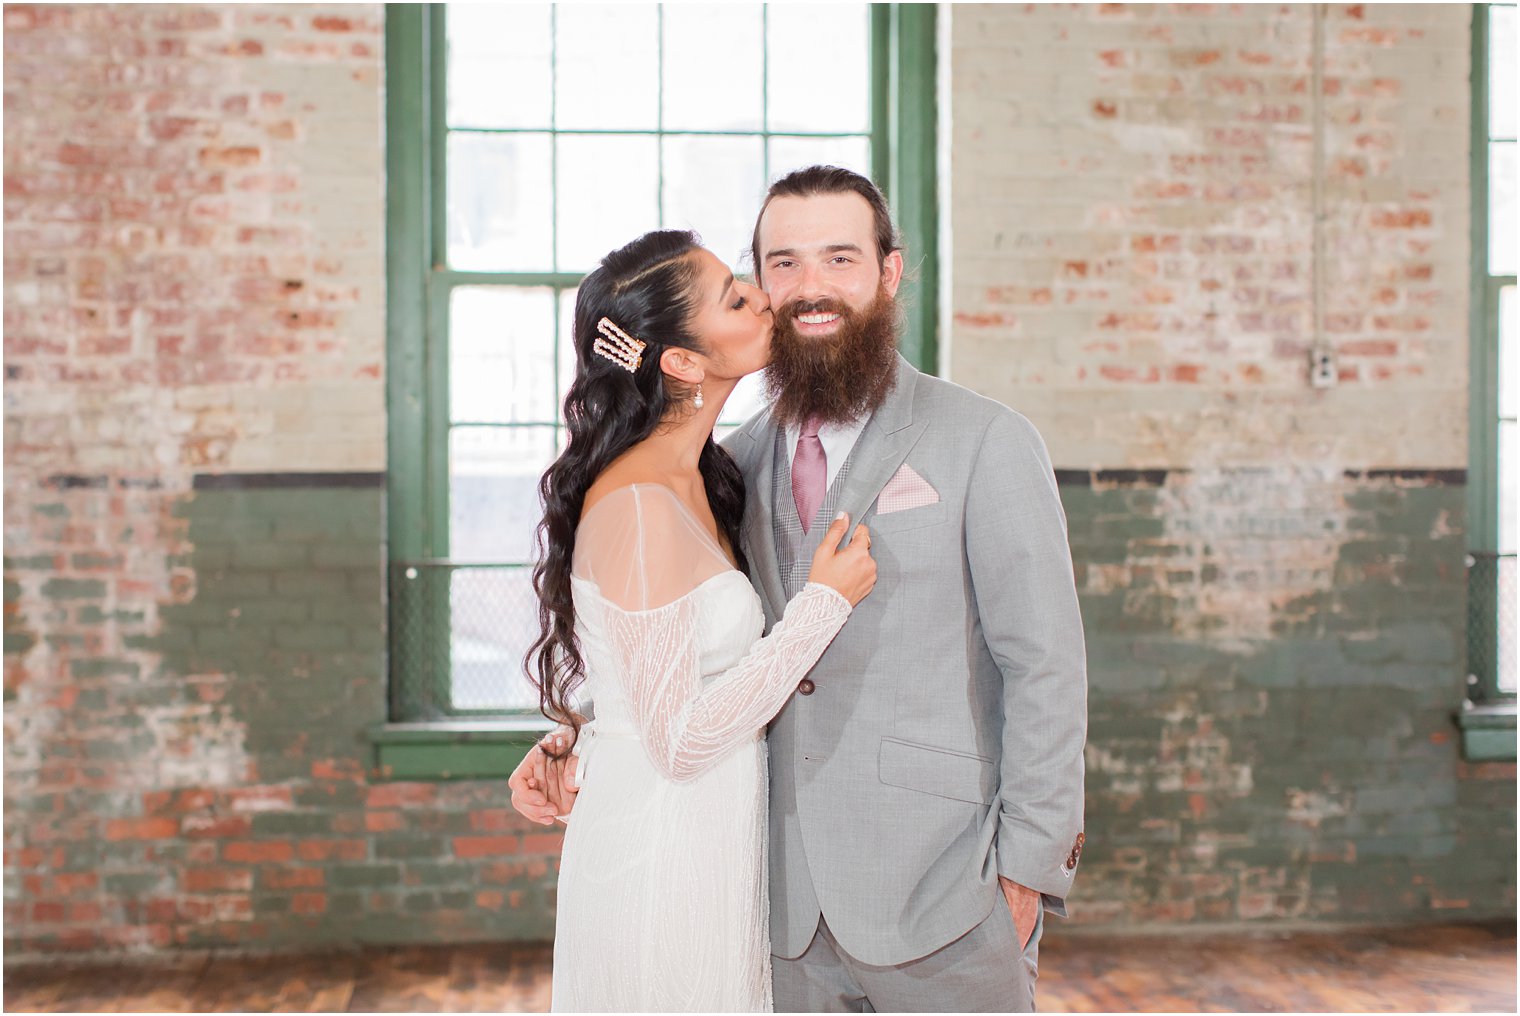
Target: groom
{"points": [[926, 779]]}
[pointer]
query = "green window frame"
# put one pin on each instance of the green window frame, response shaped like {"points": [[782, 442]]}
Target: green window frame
{"points": [[425, 735], [1488, 716]]}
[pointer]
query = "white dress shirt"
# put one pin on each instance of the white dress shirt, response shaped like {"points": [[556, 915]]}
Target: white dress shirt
{"points": [[837, 439]]}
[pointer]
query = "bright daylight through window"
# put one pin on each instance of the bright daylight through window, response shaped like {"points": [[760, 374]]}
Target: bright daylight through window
{"points": [[565, 131]]}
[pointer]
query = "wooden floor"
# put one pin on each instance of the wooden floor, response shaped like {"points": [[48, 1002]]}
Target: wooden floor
{"points": [[1449, 968]]}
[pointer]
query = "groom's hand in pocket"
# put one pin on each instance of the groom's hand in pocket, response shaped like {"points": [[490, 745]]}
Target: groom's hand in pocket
{"points": [[1024, 904]]}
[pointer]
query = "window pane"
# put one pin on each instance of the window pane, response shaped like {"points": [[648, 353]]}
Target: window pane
{"points": [[1503, 208], [608, 195], [788, 154], [714, 185], [1503, 81], [499, 202], [493, 490], [1506, 488], [712, 67], [802, 98], [606, 73], [1509, 353], [495, 620], [501, 355], [498, 65]]}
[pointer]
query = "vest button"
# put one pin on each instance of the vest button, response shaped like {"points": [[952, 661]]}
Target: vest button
{"points": [[806, 686]]}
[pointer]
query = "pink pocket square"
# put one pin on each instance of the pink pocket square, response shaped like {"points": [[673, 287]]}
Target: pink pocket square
{"points": [[905, 490]]}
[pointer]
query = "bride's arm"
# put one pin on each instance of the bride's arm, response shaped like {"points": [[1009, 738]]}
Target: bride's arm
{"points": [[646, 556], [687, 726]]}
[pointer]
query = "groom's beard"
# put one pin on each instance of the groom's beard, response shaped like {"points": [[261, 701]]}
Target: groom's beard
{"points": [[839, 377]]}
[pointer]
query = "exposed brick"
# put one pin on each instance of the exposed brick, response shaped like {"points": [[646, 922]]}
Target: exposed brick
{"points": [[195, 288], [254, 851], [202, 880], [216, 826], [1158, 263], [398, 795], [308, 903], [384, 821], [251, 799], [486, 846], [337, 769], [292, 878], [333, 850], [141, 829], [542, 843], [490, 820], [72, 883]]}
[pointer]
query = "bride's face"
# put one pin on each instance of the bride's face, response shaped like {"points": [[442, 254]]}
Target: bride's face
{"points": [[731, 318]]}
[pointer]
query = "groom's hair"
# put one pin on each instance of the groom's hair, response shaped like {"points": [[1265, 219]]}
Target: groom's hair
{"points": [[815, 180]]}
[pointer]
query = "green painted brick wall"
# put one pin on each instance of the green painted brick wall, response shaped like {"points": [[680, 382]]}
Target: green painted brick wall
{"points": [[255, 818], [1272, 691], [1271, 736]]}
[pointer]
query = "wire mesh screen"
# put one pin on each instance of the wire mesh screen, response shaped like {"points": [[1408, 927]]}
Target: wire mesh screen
{"points": [[460, 635], [1491, 624], [1505, 623]]}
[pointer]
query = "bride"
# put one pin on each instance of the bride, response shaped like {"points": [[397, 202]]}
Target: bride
{"points": [[643, 597]]}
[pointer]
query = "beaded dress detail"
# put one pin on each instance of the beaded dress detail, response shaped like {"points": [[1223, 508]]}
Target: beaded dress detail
{"points": [[662, 901]]}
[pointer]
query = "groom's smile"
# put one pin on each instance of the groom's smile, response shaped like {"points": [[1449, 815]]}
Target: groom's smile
{"points": [[815, 318], [832, 280], [820, 254]]}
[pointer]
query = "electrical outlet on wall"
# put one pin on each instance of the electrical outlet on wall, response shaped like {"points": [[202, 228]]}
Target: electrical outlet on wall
{"points": [[1322, 370]]}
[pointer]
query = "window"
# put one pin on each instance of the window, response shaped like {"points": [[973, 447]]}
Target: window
{"points": [[526, 141], [1495, 364]]}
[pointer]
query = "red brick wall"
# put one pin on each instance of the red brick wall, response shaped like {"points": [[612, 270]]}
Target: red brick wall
{"points": [[194, 255], [193, 286], [1272, 575], [1132, 229]]}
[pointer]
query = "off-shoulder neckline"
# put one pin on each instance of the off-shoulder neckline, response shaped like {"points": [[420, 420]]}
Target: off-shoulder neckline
{"points": [[635, 486], [694, 590], [717, 545]]}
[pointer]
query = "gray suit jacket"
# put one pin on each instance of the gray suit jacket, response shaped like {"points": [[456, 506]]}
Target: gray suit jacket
{"points": [[943, 744]]}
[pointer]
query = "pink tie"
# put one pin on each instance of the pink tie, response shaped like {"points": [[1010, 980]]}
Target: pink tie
{"points": [[808, 473]]}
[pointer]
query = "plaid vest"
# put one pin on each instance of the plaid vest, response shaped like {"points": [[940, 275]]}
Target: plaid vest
{"points": [[794, 548]]}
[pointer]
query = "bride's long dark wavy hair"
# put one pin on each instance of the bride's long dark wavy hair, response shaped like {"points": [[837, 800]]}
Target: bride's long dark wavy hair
{"points": [[648, 290]]}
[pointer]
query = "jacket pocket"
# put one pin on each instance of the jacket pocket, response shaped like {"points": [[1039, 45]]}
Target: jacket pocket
{"points": [[909, 518], [957, 775]]}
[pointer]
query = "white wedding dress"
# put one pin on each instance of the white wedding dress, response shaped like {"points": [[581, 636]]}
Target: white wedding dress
{"points": [[662, 903]]}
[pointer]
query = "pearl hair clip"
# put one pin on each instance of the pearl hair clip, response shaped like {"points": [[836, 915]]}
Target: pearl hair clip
{"points": [[618, 346]]}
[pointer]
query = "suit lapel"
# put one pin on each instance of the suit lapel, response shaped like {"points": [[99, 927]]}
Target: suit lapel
{"points": [[758, 464], [888, 437], [884, 444]]}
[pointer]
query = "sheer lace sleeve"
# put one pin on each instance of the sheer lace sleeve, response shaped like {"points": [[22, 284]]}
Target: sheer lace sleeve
{"points": [[646, 554]]}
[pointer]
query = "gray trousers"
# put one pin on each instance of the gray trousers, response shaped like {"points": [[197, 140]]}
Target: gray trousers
{"points": [[982, 971]]}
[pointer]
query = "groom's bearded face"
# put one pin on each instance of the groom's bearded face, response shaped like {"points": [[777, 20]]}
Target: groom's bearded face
{"points": [[838, 377]]}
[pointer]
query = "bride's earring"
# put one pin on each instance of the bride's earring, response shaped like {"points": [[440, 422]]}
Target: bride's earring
{"points": [[696, 399]]}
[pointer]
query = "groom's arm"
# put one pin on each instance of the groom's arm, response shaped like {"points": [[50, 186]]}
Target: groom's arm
{"points": [[1020, 565]]}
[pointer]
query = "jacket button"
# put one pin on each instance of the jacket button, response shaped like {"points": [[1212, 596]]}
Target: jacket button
{"points": [[1076, 851], [806, 686]]}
